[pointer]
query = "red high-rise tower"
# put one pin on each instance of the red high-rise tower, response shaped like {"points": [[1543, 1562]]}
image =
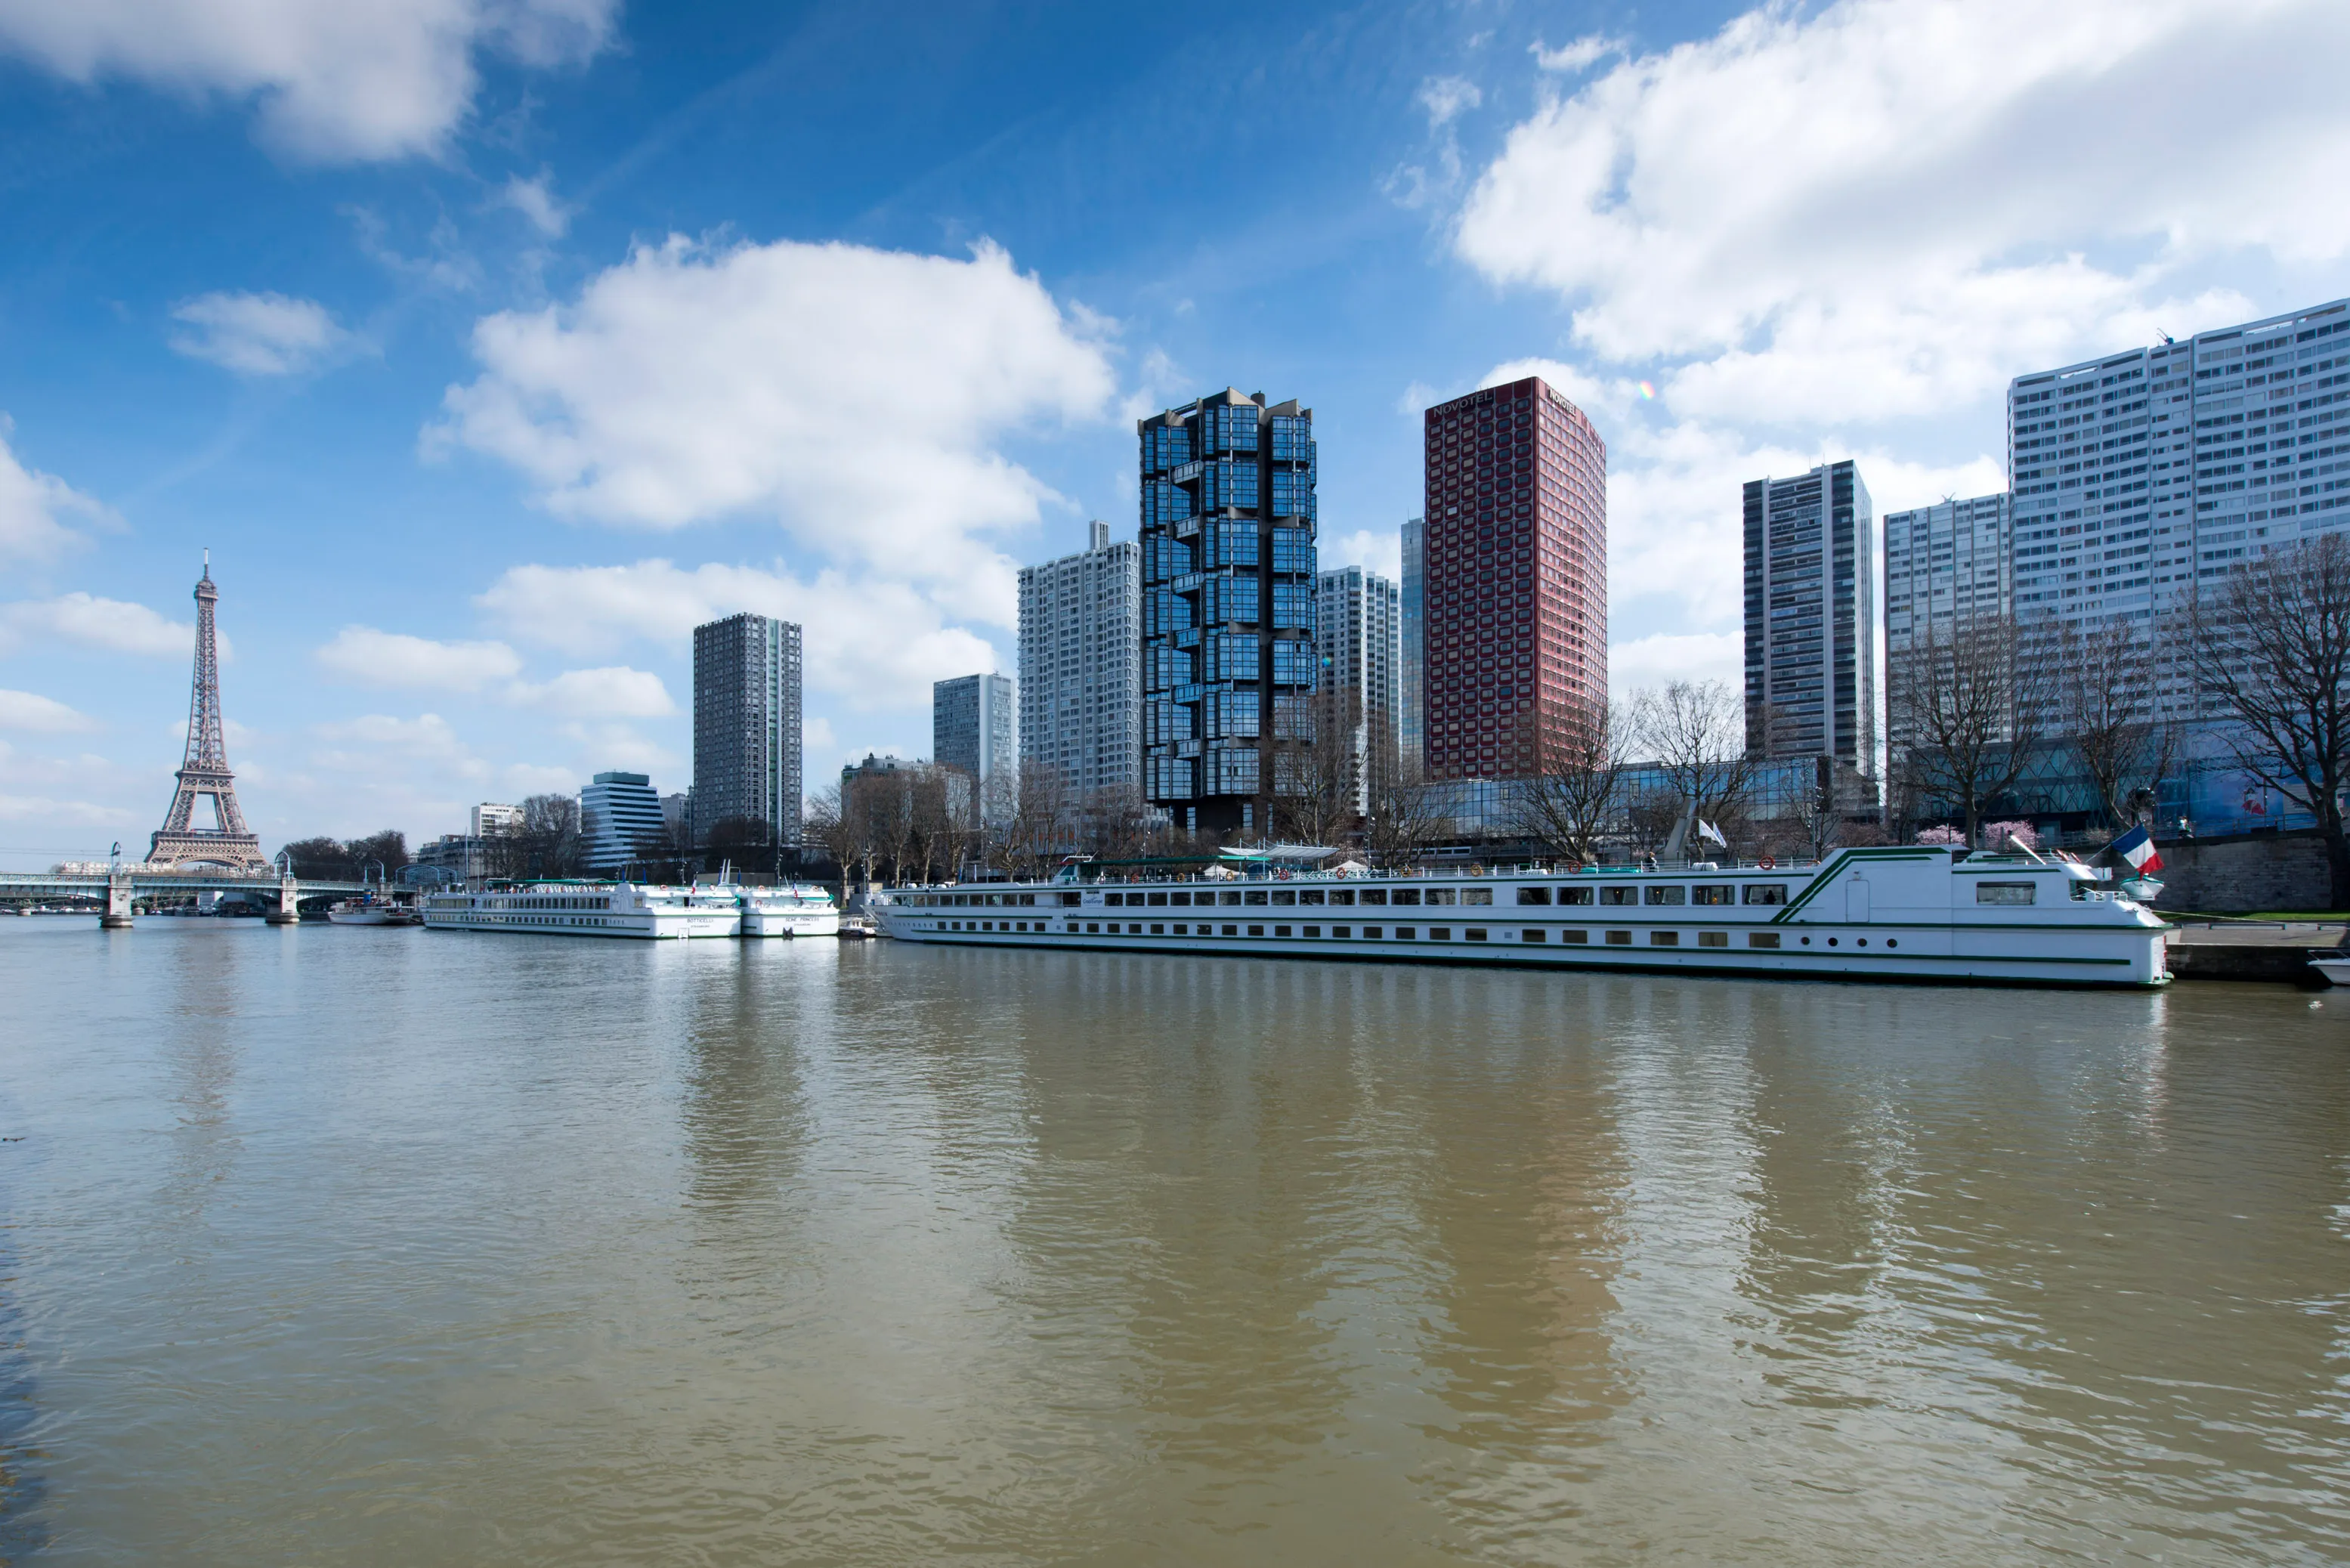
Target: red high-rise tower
{"points": [[1515, 617]]}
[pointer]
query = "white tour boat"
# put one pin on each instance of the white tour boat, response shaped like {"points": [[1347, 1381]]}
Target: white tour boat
{"points": [[370, 909], [1908, 913], [590, 909], [796, 910]]}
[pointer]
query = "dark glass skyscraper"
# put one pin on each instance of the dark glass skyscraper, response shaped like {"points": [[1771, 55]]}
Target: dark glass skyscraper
{"points": [[1227, 560], [1810, 617], [746, 724]]}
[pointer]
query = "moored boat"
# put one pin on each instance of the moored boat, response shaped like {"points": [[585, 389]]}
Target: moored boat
{"points": [[371, 909], [579, 908], [796, 910], [1910, 913]]}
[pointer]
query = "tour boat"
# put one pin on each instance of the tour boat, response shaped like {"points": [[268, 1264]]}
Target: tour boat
{"points": [[793, 911], [368, 909], [590, 909], [1921, 912]]}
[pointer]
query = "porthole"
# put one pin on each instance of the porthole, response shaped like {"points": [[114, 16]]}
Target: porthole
{"points": [[1862, 942], [1808, 941], [1891, 944], [1832, 941]]}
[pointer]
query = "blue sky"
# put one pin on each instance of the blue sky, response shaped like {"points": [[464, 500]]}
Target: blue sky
{"points": [[491, 344]]}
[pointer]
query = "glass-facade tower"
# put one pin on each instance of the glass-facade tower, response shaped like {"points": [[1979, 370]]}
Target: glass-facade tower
{"points": [[1810, 617], [1228, 567]]}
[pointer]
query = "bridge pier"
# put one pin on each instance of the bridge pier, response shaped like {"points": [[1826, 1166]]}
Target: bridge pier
{"points": [[289, 911], [118, 904]]}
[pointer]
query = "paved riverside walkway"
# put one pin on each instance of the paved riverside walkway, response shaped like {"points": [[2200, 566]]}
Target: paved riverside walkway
{"points": [[2249, 949]]}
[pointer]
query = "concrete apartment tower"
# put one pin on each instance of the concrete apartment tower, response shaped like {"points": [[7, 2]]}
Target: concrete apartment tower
{"points": [[1811, 618], [1514, 580], [1411, 726], [746, 724], [975, 729], [1946, 567], [1081, 666], [1228, 564], [1359, 633], [2138, 473]]}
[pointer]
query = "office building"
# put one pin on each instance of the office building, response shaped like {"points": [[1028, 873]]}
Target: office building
{"points": [[2139, 473], [1228, 659], [746, 725], [489, 819], [1514, 580], [1409, 729], [1811, 618], [975, 729], [620, 823], [1081, 666], [677, 818], [1358, 637]]}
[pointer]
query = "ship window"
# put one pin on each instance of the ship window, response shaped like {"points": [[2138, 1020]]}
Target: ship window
{"points": [[1533, 895], [1309, 895], [1342, 894], [1411, 896], [1575, 936], [1575, 895], [2002, 892], [1476, 895], [1761, 938], [1476, 933], [1284, 897], [1312, 931], [1713, 938], [1664, 938], [1280, 930], [1254, 896], [1766, 893], [1114, 901], [1342, 930], [1158, 930], [1534, 936], [1371, 932], [1412, 933], [1183, 898], [1375, 896], [1619, 939], [1025, 900], [1232, 930], [1093, 925], [1160, 900], [1717, 893], [1619, 895], [1675, 895], [1228, 898]]}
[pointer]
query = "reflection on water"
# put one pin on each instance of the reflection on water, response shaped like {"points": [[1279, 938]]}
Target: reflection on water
{"points": [[356, 1246]]}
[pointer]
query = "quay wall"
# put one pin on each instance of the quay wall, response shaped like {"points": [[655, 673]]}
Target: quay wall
{"points": [[2243, 872]]}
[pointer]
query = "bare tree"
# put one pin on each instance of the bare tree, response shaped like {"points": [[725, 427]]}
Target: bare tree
{"points": [[548, 844], [1318, 768], [1696, 730], [2109, 703], [1967, 709], [1575, 796], [834, 830], [2273, 645], [1406, 808], [1041, 824]]}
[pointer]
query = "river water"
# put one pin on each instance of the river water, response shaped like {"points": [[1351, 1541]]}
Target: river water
{"points": [[334, 1246]]}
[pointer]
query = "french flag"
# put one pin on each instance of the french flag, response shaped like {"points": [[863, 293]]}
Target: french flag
{"points": [[2137, 847]]}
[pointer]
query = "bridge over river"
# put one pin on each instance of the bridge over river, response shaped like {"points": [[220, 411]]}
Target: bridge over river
{"points": [[119, 890]]}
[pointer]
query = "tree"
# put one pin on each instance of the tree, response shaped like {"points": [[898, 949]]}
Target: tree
{"points": [[741, 843], [832, 830], [340, 861], [1406, 808], [2273, 645], [1967, 705], [1319, 767], [1574, 797], [2108, 703], [548, 845], [1696, 731]]}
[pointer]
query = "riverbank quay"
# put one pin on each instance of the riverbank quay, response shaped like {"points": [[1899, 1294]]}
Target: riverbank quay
{"points": [[2277, 952]]}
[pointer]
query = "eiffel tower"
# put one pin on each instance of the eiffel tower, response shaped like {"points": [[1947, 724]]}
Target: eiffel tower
{"points": [[204, 772]]}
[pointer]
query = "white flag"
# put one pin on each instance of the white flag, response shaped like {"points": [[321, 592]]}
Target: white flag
{"points": [[1706, 830]]}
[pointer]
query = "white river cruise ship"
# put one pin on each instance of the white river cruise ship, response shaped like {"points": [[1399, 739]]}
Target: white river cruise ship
{"points": [[636, 910], [1911, 913]]}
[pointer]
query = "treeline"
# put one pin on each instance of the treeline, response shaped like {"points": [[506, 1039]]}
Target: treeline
{"points": [[378, 855]]}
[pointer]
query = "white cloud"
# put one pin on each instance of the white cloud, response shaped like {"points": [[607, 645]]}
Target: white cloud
{"points": [[1447, 98], [334, 82], [615, 692], [372, 658], [33, 507], [43, 715], [1646, 663], [855, 395], [535, 200], [1375, 550], [256, 334], [79, 813], [379, 744], [1579, 55], [111, 626], [1889, 207], [877, 644]]}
